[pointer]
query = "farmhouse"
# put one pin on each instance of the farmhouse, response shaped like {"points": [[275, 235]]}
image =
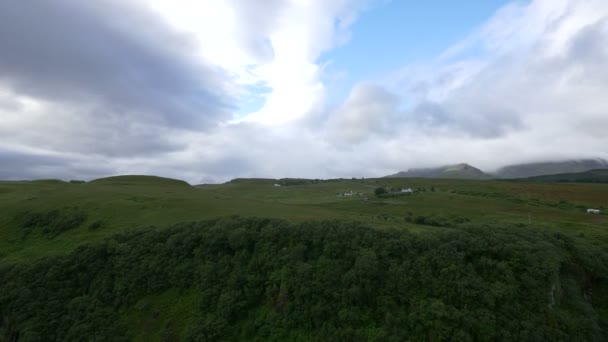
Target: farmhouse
{"points": [[593, 211], [407, 190], [277, 184], [347, 194]]}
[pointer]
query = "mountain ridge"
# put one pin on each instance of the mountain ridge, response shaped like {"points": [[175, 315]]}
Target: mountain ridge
{"points": [[591, 176], [514, 171], [457, 171], [550, 168]]}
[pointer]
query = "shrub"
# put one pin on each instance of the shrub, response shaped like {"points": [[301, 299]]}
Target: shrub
{"points": [[380, 191], [97, 224], [53, 222]]}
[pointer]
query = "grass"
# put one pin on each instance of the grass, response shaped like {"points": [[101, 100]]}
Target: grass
{"points": [[120, 203]]}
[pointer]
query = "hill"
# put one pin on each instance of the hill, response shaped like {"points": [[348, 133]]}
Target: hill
{"points": [[139, 180], [591, 176], [550, 168], [458, 171]]}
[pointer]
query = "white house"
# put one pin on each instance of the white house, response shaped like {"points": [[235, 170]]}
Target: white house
{"points": [[407, 190], [277, 184], [346, 194], [593, 211]]}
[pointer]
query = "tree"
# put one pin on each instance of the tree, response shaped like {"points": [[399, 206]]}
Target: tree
{"points": [[379, 191]]}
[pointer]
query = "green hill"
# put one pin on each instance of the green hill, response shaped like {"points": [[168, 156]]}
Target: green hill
{"points": [[139, 180]]}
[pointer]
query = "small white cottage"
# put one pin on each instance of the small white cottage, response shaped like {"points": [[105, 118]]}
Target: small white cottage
{"points": [[593, 211], [407, 190]]}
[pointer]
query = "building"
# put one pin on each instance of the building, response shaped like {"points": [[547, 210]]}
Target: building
{"points": [[593, 211], [277, 184], [407, 190]]}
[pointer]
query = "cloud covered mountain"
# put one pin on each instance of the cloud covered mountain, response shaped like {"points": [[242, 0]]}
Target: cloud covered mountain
{"points": [[458, 171]]}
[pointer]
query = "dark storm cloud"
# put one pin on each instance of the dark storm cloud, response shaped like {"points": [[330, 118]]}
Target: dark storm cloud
{"points": [[118, 56], [79, 130]]}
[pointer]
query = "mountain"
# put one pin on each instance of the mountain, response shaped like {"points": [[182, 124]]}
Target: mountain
{"points": [[591, 176], [550, 168], [459, 171]]}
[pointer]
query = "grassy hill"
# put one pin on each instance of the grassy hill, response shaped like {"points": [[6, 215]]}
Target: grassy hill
{"points": [[139, 180], [155, 259]]}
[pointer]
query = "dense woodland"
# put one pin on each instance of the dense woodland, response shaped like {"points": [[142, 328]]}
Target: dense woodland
{"points": [[263, 279]]}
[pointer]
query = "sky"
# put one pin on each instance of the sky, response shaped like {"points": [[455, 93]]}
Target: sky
{"points": [[210, 90]]}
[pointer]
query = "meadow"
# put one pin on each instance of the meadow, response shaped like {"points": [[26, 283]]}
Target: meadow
{"points": [[118, 204]]}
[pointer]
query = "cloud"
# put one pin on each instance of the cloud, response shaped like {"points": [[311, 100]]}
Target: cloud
{"points": [[37, 165], [158, 94], [528, 85], [74, 52], [368, 110], [156, 86]]}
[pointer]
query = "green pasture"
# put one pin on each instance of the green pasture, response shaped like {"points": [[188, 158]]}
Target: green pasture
{"points": [[118, 204]]}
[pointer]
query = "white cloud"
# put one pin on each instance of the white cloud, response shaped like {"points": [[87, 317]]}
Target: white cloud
{"points": [[369, 109], [274, 44], [528, 85]]}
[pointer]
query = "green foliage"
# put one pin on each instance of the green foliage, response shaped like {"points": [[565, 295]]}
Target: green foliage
{"points": [[380, 191], [437, 220], [97, 224], [394, 194], [268, 280], [52, 223]]}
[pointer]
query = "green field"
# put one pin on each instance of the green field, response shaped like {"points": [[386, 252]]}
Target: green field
{"points": [[50, 221], [134, 202]]}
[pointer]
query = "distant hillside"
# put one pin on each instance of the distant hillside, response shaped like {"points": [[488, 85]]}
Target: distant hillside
{"points": [[253, 181], [592, 176], [282, 181], [139, 180], [550, 168], [47, 181], [459, 171]]}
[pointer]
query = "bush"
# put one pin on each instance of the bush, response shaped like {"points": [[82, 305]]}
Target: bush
{"points": [[97, 224], [53, 222], [380, 191]]}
